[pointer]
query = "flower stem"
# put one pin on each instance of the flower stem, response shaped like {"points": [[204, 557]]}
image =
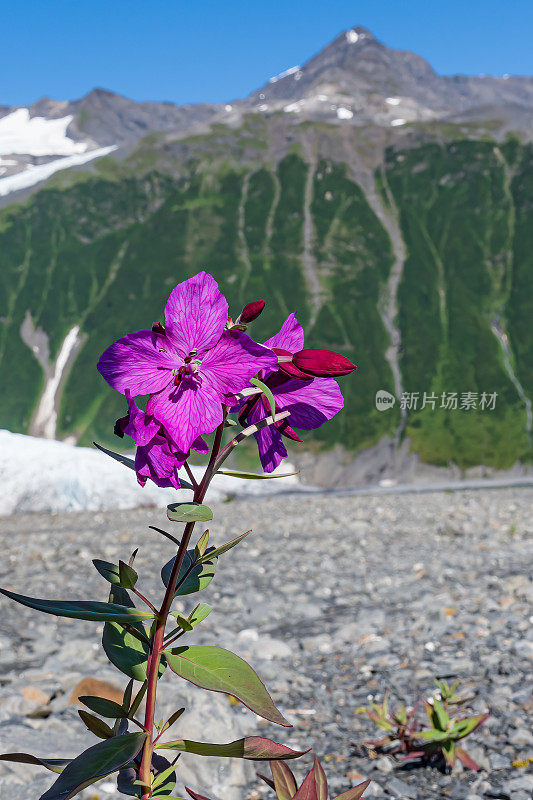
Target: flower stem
{"points": [[158, 645]]}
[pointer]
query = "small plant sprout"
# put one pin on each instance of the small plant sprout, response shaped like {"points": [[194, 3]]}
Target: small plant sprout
{"points": [[407, 737]]}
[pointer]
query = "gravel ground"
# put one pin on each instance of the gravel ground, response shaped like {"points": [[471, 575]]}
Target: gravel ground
{"points": [[331, 600]]}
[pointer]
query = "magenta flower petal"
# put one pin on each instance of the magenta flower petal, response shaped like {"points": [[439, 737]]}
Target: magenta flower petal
{"points": [[140, 427], [311, 403], [234, 360], [188, 410], [290, 337], [200, 446], [270, 444], [157, 462], [135, 363], [195, 314]]}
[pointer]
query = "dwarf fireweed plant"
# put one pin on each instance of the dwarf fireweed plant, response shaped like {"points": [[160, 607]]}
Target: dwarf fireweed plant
{"points": [[438, 743], [197, 369]]}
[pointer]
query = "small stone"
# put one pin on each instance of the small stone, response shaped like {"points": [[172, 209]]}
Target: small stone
{"points": [[521, 737], [400, 790], [384, 765], [497, 761], [92, 686], [523, 783], [35, 695]]}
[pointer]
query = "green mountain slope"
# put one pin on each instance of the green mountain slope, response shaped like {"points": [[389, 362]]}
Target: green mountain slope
{"points": [[104, 252]]}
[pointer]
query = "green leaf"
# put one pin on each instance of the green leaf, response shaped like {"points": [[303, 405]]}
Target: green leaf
{"points": [[81, 609], [448, 751], [189, 512], [355, 793], [183, 622], [199, 613], [107, 570], [321, 782], [218, 551], [172, 719], [432, 735], [56, 765], [464, 727], [285, 784], [253, 476], [254, 748], [163, 776], [98, 761], [123, 648], [439, 717], [220, 670], [96, 725], [267, 392], [201, 544], [106, 708], [193, 577], [128, 576]]}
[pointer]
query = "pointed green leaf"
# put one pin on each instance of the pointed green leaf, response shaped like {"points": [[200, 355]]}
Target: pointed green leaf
{"points": [[439, 717], [81, 609], [172, 719], [96, 725], [128, 576], [448, 751], [106, 708], [355, 793], [98, 761], [253, 476], [254, 748], [124, 649], [199, 613], [164, 776], [107, 570], [464, 727], [285, 784], [183, 622], [193, 577], [321, 783], [201, 544], [267, 392], [218, 551], [56, 765], [189, 512], [220, 670]]}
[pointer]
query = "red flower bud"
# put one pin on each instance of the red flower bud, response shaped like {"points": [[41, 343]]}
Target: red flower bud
{"points": [[251, 311], [285, 365], [322, 363]]}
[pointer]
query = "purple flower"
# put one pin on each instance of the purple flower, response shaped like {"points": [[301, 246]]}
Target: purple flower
{"points": [[310, 402], [191, 366], [157, 456]]}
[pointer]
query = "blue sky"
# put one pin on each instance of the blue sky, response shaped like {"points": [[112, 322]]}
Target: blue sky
{"points": [[194, 51]]}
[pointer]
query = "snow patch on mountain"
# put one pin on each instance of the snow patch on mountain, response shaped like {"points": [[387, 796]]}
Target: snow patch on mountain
{"points": [[37, 136], [50, 476], [35, 173], [344, 113], [291, 71]]}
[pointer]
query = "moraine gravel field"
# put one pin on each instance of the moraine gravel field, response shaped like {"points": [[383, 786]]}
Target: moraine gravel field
{"points": [[332, 600]]}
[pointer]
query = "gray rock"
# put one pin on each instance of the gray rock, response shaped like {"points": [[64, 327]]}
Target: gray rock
{"points": [[399, 789]]}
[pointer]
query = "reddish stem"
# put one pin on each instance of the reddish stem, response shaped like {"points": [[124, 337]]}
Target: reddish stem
{"points": [[154, 658]]}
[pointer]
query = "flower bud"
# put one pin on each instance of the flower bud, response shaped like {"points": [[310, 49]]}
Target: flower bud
{"points": [[285, 365], [322, 363], [251, 311]]}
